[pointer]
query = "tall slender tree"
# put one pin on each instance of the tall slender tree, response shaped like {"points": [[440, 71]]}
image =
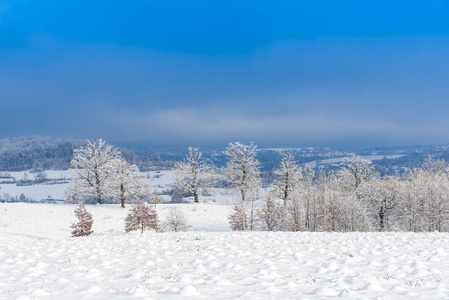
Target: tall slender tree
{"points": [[242, 171], [126, 183], [289, 176]]}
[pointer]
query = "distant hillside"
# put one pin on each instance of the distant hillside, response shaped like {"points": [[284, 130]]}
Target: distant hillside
{"points": [[386, 160], [47, 153]]}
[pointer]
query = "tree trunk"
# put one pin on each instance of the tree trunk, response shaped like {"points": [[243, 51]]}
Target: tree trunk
{"points": [[195, 196], [381, 218], [97, 188], [382, 211], [122, 195], [98, 196], [286, 190], [243, 184]]}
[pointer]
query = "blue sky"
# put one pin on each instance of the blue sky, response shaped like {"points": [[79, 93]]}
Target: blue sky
{"points": [[279, 73]]}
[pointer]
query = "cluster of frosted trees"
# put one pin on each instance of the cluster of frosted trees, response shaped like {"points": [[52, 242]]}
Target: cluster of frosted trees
{"points": [[101, 173], [355, 198]]}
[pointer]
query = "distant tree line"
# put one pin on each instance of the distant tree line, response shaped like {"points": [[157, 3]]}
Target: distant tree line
{"points": [[7, 198], [38, 153]]}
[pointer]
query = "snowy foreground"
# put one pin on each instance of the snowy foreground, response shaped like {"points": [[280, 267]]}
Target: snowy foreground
{"points": [[39, 259]]}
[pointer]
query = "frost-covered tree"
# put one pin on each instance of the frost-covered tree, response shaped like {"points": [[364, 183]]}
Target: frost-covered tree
{"points": [[351, 208], [193, 174], [141, 217], [244, 216], [85, 221], [76, 193], [356, 171], [92, 167], [155, 198], [361, 169], [271, 214], [125, 183], [426, 198], [294, 215], [176, 220], [383, 195], [289, 176], [307, 194], [242, 171]]}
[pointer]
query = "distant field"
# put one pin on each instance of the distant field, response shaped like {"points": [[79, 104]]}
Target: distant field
{"points": [[57, 191]]}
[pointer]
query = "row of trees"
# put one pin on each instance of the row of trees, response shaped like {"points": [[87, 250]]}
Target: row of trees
{"points": [[354, 198], [242, 172]]}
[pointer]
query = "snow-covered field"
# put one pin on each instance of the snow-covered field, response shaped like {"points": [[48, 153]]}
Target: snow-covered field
{"points": [[38, 192], [39, 259]]}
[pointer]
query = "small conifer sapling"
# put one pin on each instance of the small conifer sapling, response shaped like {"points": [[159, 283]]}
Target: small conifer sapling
{"points": [[85, 220]]}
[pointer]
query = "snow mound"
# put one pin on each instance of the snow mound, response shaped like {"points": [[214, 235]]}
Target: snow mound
{"points": [[189, 290]]}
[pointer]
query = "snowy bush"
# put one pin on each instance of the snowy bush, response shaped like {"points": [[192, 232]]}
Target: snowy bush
{"points": [[141, 217]]}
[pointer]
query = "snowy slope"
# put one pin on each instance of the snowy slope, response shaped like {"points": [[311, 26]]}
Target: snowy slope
{"points": [[39, 260]]}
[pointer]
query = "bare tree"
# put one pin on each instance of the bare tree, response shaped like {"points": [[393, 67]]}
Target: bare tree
{"points": [[141, 216], [176, 220], [85, 221], [242, 171], [193, 174]]}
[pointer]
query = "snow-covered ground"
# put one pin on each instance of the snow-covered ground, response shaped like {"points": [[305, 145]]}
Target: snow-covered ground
{"points": [[37, 192], [39, 259]]}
